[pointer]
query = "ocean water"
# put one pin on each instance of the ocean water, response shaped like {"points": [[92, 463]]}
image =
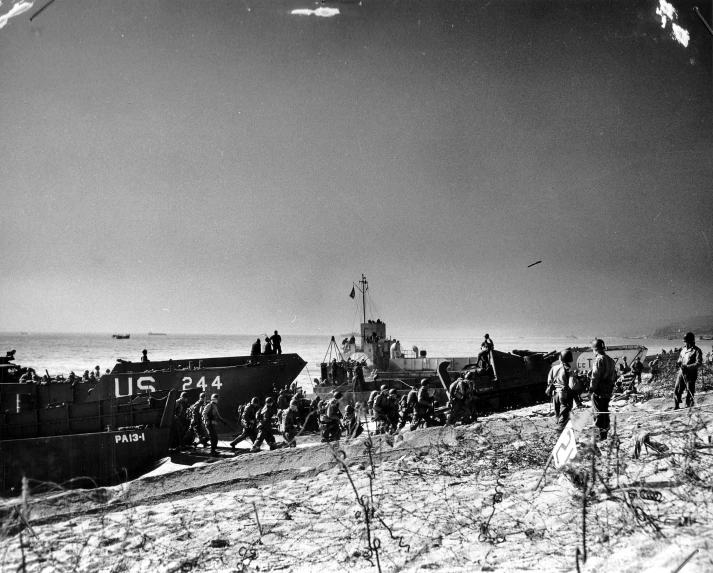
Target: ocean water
{"points": [[62, 353]]}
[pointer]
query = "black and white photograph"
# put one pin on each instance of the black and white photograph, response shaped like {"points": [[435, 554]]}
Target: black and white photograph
{"points": [[382, 286]]}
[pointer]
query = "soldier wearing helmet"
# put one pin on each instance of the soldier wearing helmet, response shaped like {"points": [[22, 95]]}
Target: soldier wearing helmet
{"points": [[264, 425], [331, 418], [211, 417], [458, 393], [486, 347], [391, 421], [290, 423], [423, 407], [690, 359], [381, 405], [558, 381], [248, 420], [352, 425], [602, 385], [197, 427]]}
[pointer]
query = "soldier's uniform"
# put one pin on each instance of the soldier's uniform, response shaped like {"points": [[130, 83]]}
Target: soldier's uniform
{"points": [[290, 425], [381, 405], [211, 417], [331, 420], [458, 391], [264, 426], [689, 361], [423, 407], [603, 380], [563, 397], [248, 420]]}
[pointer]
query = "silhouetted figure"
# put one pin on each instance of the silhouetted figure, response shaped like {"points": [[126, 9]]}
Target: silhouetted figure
{"points": [[276, 343], [144, 356], [268, 346], [255, 349]]}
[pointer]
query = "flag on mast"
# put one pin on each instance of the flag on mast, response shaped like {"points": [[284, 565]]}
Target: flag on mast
{"points": [[353, 293]]}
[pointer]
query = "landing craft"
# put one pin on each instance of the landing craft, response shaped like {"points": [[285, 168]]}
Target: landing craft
{"points": [[502, 379]]}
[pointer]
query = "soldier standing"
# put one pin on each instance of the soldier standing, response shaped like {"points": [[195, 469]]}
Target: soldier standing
{"points": [[392, 412], [603, 380], [264, 425], [559, 377], [211, 417], [276, 343], [636, 368], [248, 420], [690, 359]]}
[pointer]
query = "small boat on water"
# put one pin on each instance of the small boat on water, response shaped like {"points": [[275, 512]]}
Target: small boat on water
{"points": [[121, 336], [81, 444]]}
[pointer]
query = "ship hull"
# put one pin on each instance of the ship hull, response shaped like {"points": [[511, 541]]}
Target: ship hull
{"points": [[94, 443], [235, 379], [87, 460]]}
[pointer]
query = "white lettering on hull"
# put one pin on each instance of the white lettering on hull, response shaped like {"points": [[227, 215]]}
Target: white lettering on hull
{"points": [[128, 438]]}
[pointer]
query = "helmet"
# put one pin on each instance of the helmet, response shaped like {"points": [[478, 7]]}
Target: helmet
{"points": [[255, 402], [294, 403], [690, 337], [184, 394], [424, 382], [393, 392], [201, 395], [269, 400], [384, 387], [598, 344], [470, 375], [337, 395], [214, 397], [566, 355], [487, 335], [349, 408]]}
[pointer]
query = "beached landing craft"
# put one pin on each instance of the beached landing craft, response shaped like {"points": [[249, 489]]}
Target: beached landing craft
{"points": [[94, 443], [236, 379], [505, 379]]}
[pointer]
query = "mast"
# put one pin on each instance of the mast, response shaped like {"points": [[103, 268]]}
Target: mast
{"points": [[364, 286]]}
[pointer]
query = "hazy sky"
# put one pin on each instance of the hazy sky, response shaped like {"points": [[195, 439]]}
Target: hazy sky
{"points": [[230, 167]]}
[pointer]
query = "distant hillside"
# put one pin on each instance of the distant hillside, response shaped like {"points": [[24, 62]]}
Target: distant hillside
{"points": [[698, 325]]}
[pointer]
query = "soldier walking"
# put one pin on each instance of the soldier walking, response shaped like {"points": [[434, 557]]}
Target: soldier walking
{"points": [[211, 417], [423, 407], [290, 425], [248, 420], [264, 425], [331, 419]]}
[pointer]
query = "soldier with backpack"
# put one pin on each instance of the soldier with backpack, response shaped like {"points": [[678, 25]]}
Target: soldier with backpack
{"points": [[211, 417], [459, 392], [248, 420], [290, 424], [264, 425], [197, 428], [381, 406], [330, 419], [424, 405]]}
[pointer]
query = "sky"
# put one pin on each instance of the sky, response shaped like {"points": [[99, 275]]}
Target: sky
{"points": [[235, 166]]}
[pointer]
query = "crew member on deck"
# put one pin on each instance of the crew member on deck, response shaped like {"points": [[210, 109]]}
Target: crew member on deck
{"points": [[255, 349], [276, 343], [485, 348], [268, 346], [144, 356]]}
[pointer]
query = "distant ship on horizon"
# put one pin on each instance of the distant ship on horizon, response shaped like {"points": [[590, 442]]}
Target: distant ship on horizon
{"points": [[121, 336], [157, 334]]}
